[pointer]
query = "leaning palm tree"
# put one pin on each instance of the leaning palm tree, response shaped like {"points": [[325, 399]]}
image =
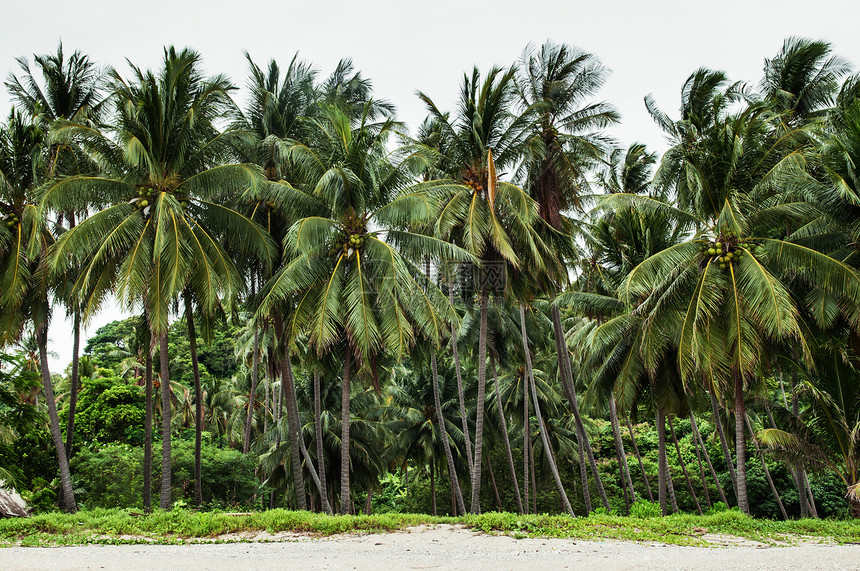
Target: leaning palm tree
{"points": [[353, 262], [162, 229]]}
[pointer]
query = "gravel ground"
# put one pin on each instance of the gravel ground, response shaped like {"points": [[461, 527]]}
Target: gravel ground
{"points": [[439, 547]]}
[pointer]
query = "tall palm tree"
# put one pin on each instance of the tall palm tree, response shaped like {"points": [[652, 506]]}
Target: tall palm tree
{"points": [[729, 278], [489, 218], [162, 228], [24, 243], [353, 261], [68, 89]]}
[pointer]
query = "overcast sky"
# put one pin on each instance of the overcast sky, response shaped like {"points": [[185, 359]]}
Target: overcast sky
{"points": [[402, 46]]}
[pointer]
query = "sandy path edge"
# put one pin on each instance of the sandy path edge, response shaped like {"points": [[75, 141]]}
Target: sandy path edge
{"points": [[431, 547]]}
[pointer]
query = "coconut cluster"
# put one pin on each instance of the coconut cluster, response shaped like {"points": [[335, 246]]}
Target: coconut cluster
{"points": [[348, 244], [146, 196], [725, 250], [11, 219]]}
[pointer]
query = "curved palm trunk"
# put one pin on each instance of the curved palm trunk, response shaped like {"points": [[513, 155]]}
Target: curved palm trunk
{"points": [[639, 459], [583, 474], [147, 433], [319, 438], [293, 424], [456, 492], [718, 423], [526, 440], [740, 444], [766, 470], [166, 417], [565, 502], [461, 395], [696, 447], [707, 456], [479, 416], [662, 464], [507, 439], [246, 443], [68, 499], [75, 382], [684, 466], [567, 383], [198, 403], [619, 449], [801, 482], [344, 433]]}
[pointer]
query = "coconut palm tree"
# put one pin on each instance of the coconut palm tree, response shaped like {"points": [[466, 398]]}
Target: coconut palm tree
{"points": [[162, 228], [491, 219], [67, 89], [353, 268], [24, 243], [729, 277]]}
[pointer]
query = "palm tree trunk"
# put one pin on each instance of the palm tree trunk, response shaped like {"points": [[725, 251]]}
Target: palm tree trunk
{"points": [[698, 436], [526, 440], [534, 477], [147, 433], [718, 424], [807, 504], [583, 474], [740, 443], [479, 415], [813, 510], [565, 502], [507, 438], [68, 498], [166, 417], [766, 470], [684, 466], [567, 383], [670, 487], [249, 419], [456, 493], [461, 395], [266, 408], [702, 477], [493, 483], [346, 386], [293, 425], [75, 382], [662, 463], [198, 403], [639, 459], [626, 480], [319, 441], [433, 487]]}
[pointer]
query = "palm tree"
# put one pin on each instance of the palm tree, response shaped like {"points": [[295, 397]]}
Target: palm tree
{"points": [[728, 279], [24, 242], [489, 218], [564, 142], [162, 229], [69, 90], [351, 262]]}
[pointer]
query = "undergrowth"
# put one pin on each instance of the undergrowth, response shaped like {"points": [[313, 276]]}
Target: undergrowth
{"points": [[184, 526]]}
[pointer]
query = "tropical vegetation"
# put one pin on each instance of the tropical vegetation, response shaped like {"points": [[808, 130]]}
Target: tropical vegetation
{"points": [[504, 310]]}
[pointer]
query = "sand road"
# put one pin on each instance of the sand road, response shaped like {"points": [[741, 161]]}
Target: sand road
{"points": [[439, 547]]}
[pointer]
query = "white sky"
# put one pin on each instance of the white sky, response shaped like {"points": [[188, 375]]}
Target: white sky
{"points": [[651, 47]]}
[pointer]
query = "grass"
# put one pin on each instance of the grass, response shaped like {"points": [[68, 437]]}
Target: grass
{"points": [[183, 526]]}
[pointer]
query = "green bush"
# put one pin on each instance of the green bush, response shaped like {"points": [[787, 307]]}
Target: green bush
{"points": [[111, 475]]}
